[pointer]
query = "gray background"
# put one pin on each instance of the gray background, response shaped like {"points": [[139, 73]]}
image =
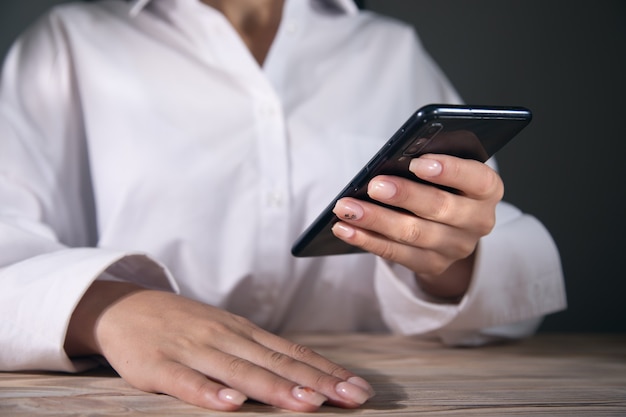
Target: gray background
{"points": [[566, 61]]}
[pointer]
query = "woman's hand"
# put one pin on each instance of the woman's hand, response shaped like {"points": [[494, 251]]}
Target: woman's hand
{"points": [[437, 235], [165, 343]]}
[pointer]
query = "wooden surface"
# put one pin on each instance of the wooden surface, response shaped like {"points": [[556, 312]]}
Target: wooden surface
{"points": [[551, 375]]}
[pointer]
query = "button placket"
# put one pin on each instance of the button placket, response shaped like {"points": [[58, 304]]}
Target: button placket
{"points": [[272, 248]]}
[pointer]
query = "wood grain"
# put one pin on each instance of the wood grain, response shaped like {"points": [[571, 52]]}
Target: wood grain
{"points": [[549, 374]]}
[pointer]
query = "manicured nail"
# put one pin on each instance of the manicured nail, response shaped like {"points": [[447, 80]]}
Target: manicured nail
{"points": [[343, 230], [352, 392], [360, 382], [348, 210], [424, 167], [231, 396], [308, 395], [382, 190]]}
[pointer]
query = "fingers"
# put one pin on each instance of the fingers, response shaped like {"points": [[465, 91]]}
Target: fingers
{"points": [[479, 188], [300, 353], [214, 359], [424, 201], [436, 227], [341, 386], [422, 260], [300, 388], [472, 178], [194, 388], [256, 381], [299, 363], [275, 371]]}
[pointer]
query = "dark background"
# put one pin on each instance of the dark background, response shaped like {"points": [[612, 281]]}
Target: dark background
{"points": [[567, 62]]}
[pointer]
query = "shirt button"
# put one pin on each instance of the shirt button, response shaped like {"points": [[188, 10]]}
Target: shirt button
{"points": [[274, 199], [267, 111]]}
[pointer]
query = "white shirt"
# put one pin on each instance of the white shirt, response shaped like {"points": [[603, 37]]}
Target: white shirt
{"points": [[152, 146]]}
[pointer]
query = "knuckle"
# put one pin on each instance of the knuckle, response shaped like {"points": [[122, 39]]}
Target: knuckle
{"points": [[482, 224], [338, 371], [301, 352], [243, 322], [439, 268], [331, 376], [158, 383], [387, 251], [441, 203], [436, 265], [215, 329], [411, 234], [324, 381], [237, 368], [178, 375], [277, 360], [491, 185], [466, 249], [486, 225], [182, 343], [174, 375], [453, 168], [199, 391], [320, 380]]}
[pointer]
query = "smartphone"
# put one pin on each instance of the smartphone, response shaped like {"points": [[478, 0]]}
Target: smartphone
{"points": [[475, 132]]}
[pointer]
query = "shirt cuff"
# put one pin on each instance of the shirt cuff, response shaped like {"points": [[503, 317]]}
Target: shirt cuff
{"points": [[517, 276], [517, 279], [404, 307], [40, 294]]}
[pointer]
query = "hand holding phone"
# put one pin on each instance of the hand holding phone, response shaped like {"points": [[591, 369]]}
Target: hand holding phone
{"points": [[469, 132]]}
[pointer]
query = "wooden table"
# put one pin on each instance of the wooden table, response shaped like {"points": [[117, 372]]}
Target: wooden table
{"points": [[549, 374]]}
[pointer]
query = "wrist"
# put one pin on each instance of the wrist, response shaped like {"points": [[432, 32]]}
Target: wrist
{"points": [[450, 286], [80, 339]]}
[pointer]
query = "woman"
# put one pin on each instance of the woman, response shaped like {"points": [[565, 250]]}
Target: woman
{"points": [[158, 160]]}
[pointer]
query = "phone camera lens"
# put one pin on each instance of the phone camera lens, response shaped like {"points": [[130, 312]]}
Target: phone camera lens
{"points": [[417, 145], [432, 130]]}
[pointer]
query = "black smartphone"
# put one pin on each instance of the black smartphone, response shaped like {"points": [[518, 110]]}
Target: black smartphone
{"points": [[475, 132]]}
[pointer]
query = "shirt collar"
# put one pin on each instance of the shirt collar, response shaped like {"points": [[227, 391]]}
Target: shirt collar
{"points": [[344, 6]]}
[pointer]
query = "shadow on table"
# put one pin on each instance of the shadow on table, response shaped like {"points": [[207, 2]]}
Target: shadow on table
{"points": [[389, 395]]}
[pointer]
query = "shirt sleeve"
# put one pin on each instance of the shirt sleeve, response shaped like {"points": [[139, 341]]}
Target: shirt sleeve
{"points": [[517, 276], [47, 221], [517, 279]]}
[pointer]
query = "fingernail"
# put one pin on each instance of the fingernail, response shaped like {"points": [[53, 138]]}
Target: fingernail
{"points": [[424, 167], [308, 395], [352, 392], [343, 230], [231, 396], [348, 210], [382, 190], [360, 382]]}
